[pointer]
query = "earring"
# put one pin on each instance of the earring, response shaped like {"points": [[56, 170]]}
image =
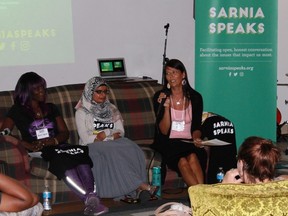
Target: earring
{"points": [[184, 82], [168, 86]]}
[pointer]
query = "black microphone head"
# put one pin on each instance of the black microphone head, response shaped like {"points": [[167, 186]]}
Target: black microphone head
{"points": [[167, 26], [167, 92]]}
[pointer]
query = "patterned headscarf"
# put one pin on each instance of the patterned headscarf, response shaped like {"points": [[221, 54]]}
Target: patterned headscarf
{"points": [[102, 111]]}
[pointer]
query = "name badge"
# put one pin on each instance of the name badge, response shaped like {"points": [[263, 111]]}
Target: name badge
{"points": [[178, 125], [42, 133]]}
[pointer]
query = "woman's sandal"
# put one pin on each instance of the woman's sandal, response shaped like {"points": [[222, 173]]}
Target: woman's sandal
{"points": [[147, 195], [153, 190], [130, 200], [143, 196]]}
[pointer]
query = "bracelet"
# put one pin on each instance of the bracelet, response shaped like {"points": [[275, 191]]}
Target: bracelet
{"points": [[56, 141]]}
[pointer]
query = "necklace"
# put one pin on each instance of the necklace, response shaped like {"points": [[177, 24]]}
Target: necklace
{"points": [[38, 114], [179, 101]]}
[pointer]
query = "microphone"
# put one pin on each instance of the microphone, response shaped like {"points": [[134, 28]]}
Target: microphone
{"points": [[167, 26], [167, 93], [5, 132]]}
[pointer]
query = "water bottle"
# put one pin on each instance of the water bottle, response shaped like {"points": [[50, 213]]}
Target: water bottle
{"points": [[47, 196], [156, 179], [220, 174]]}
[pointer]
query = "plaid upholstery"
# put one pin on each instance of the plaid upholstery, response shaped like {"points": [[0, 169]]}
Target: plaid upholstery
{"points": [[39, 168], [136, 108], [65, 98], [14, 161], [3, 167], [134, 100]]}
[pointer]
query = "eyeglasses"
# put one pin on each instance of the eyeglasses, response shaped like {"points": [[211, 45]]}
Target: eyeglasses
{"points": [[102, 91]]}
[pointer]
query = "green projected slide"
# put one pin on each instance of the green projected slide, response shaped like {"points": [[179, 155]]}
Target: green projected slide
{"points": [[36, 32]]}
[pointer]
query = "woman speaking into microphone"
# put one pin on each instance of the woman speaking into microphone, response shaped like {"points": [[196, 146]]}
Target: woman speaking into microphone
{"points": [[178, 109]]}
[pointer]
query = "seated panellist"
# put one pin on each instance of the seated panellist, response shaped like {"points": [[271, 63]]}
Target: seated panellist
{"points": [[119, 163]]}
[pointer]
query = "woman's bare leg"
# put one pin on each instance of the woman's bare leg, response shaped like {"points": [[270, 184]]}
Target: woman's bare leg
{"points": [[187, 173], [196, 167]]}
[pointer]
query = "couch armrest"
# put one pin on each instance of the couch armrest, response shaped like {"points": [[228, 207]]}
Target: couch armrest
{"points": [[240, 199], [15, 156]]}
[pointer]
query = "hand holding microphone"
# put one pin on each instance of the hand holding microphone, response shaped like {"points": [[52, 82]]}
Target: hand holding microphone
{"points": [[164, 99]]}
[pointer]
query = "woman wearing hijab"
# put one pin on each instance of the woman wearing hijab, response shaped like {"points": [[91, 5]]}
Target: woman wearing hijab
{"points": [[119, 163]]}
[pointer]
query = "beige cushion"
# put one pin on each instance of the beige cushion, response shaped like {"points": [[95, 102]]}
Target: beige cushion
{"points": [[240, 199]]}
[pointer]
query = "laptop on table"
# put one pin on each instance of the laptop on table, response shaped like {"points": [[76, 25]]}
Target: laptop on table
{"points": [[112, 69]]}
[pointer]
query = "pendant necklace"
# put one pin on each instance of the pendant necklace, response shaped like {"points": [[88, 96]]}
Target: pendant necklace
{"points": [[179, 101], [38, 114]]}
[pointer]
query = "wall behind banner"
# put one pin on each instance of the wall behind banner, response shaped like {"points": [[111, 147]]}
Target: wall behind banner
{"points": [[93, 29], [236, 63], [282, 75]]}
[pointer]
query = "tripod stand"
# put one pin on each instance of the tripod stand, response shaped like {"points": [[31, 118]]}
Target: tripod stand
{"points": [[165, 59]]}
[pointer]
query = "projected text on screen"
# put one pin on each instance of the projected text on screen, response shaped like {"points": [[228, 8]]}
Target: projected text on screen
{"points": [[36, 32]]}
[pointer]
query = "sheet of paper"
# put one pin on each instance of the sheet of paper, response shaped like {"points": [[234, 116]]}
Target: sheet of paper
{"points": [[213, 142], [35, 154]]}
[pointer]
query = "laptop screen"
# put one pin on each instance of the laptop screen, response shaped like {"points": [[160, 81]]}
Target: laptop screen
{"points": [[112, 68]]}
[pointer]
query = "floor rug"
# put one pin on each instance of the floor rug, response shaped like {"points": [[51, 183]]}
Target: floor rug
{"points": [[146, 209]]}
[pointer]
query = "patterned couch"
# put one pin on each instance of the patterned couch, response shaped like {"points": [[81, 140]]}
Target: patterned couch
{"points": [[134, 101]]}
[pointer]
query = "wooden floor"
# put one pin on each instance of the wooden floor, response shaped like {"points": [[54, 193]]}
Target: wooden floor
{"points": [[62, 208], [178, 193]]}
